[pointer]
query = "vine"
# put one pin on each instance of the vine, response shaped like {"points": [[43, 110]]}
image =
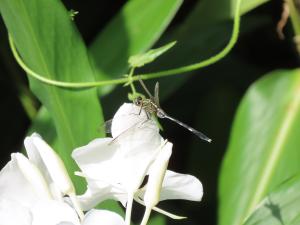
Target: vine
{"points": [[129, 79]]}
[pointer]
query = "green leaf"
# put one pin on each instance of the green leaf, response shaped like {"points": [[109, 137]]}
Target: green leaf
{"points": [[44, 125], [224, 9], [157, 219], [263, 149], [140, 60], [49, 43], [280, 207], [132, 31]]}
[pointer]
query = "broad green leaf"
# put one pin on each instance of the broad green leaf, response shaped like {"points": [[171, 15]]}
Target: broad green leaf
{"points": [[263, 149], [49, 43], [141, 59], [132, 31], [280, 207]]}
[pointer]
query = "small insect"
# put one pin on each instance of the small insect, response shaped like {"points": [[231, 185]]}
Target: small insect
{"points": [[151, 106]]}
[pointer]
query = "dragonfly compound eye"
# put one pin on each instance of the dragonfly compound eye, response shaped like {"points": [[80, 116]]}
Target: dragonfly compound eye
{"points": [[138, 101]]}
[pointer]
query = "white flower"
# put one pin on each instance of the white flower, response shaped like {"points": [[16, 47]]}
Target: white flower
{"points": [[117, 166], [32, 191]]}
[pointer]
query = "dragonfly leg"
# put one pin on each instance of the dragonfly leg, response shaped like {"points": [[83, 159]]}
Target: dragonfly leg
{"points": [[148, 115], [141, 109]]}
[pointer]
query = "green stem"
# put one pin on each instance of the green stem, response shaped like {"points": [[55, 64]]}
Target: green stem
{"points": [[130, 76], [26, 98], [184, 69], [56, 82]]}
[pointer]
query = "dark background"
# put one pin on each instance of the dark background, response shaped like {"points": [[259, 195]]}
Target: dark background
{"points": [[207, 99]]}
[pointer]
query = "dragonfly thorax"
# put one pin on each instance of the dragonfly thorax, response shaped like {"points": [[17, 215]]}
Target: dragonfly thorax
{"points": [[147, 104]]}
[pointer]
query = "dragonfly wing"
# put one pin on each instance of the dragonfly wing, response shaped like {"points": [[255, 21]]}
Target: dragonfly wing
{"points": [[129, 118], [127, 115], [126, 134], [156, 94], [106, 126], [130, 121], [145, 88]]}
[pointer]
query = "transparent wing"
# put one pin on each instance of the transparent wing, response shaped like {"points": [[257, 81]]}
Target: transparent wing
{"points": [[146, 89], [142, 124], [106, 126], [156, 94]]}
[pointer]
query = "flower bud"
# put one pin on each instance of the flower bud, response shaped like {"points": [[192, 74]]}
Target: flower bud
{"points": [[156, 176], [55, 166], [33, 175]]}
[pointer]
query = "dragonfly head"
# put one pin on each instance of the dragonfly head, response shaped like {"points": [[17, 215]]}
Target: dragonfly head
{"points": [[138, 101]]}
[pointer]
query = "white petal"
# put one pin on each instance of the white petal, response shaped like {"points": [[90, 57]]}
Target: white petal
{"points": [[139, 146], [127, 116], [102, 217], [92, 198], [145, 134], [53, 213], [134, 159], [97, 194], [181, 186], [40, 152], [65, 223], [95, 159], [15, 186], [104, 161], [132, 169], [12, 213]]}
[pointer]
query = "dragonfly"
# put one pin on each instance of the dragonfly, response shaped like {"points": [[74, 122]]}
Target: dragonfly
{"points": [[152, 107]]}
